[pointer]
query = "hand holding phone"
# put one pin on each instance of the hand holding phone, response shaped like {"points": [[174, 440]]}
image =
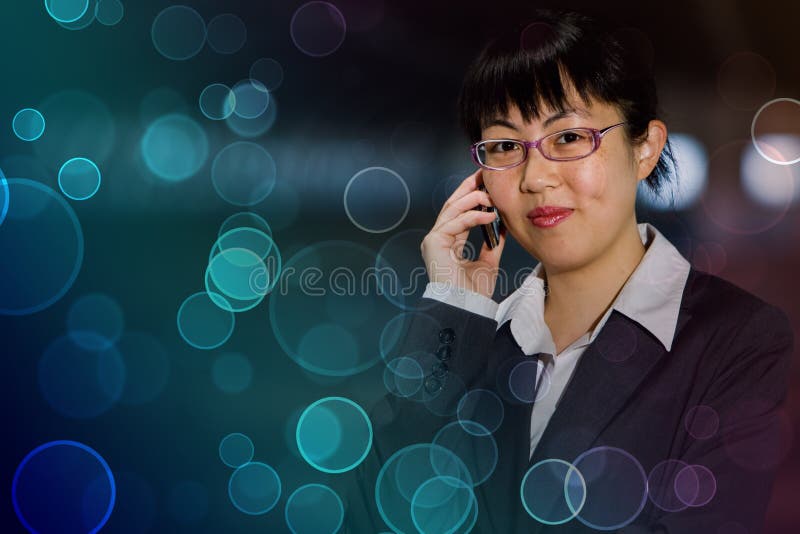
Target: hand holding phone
{"points": [[443, 247]]}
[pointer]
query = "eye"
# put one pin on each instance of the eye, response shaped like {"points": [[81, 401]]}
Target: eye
{"points": [[502, 146], [570, 136]]}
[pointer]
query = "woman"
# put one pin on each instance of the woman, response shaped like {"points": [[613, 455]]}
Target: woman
{"points": [[638, 394]]}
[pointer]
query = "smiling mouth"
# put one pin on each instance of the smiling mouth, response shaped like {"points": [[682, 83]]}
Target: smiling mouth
{"points": [[548, 221]]}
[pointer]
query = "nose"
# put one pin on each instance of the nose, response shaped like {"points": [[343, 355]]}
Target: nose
{"points": [[538, 173]]}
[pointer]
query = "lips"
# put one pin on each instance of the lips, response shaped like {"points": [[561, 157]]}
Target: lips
{"points": [[548, 211], [547, 216]]}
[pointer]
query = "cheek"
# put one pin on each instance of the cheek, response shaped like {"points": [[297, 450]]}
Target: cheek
{"points": [[500, 189], [589, 184], [601, 182]]}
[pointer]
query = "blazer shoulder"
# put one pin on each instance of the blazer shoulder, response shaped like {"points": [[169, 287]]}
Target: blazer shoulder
{"points": [[709, 295], [740, 328]]}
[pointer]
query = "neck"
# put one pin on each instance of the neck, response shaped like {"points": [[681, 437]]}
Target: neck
{"points": [[584, 294]]}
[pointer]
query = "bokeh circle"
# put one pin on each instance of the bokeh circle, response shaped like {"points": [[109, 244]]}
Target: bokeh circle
{"points": [[174, 147], [79, 178], [553, 491], [318, 28], [202, 323], [42, 243], [334, 416], [314, 509], [236, 449], [63, 487], [376, 199], [243, 173], [254, 488], [28, 124], [178, 32]]}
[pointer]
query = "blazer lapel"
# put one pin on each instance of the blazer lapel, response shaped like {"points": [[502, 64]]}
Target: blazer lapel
{"points": [[600, 386]]}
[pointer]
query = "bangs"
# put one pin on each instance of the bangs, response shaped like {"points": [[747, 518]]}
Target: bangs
{"points": [[539, 68]]}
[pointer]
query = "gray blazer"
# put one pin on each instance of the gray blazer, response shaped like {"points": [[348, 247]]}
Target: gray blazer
{"points": [[731, 352]]}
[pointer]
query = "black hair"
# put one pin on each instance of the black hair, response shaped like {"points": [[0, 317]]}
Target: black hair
{"points": [[529, 65]]}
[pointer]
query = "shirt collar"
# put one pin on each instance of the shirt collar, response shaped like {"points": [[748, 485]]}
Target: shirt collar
{"points": [[651, 296]]}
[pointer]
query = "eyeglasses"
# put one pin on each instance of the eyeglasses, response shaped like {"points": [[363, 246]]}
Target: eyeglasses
{"points": [[565, 145]]}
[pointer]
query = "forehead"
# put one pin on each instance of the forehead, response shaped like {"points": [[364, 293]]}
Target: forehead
{"points": [[546, 115]]}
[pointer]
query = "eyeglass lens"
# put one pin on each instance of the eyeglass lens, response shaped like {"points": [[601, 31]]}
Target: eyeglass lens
{"points": [[568, 144]]}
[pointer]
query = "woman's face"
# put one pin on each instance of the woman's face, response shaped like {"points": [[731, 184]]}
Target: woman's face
{"points": [[600, 188]]}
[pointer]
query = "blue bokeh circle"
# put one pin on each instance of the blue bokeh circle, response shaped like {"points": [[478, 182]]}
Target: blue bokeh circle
{"points": [[33, 281], [64, 466], [3, 197]]}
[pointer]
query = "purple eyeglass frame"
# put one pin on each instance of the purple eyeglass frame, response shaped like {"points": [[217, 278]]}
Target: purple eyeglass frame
{"points": [[597, 135]]}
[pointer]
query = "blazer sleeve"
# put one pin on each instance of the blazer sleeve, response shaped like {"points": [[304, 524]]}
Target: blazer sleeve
{"points": [[448, 335], [748, 394]]}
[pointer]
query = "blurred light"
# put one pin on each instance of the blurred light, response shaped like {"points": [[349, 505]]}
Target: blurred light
{"points": [[764, 181], [681, 192]]}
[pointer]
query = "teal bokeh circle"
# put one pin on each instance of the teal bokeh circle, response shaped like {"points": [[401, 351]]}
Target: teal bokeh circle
{"points": [[405, 472], [254, 488], [28, 124], [174, 147], [66, 10], [431, 506], [236, 449], [314, 509], [217, 101], [109, 12], [202, 323], [243, 173], [178, 32], [314, 430], [79, 178]]}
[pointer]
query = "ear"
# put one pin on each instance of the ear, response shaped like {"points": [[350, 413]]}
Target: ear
{"points": [[649, 150]]}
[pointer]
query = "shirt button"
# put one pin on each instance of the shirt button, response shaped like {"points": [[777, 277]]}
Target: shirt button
{"points": [[433, 385], [444, 353], [439, 370], [447, 336]]}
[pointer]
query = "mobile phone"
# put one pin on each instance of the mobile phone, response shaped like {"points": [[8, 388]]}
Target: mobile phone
{"points": [[491, 231]]}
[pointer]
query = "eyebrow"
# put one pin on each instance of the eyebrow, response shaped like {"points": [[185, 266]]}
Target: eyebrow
{"points": [[499, 121]]}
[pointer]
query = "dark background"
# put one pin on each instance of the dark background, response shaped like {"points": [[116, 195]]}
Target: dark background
{"points": [[337, 114]]}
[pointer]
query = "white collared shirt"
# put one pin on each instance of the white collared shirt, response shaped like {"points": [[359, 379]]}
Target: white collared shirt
{"points": [[651, 296]]}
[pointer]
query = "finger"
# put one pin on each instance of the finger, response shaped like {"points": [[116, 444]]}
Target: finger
{"points": [[467, 202], [469, 184], [465, 221]]}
